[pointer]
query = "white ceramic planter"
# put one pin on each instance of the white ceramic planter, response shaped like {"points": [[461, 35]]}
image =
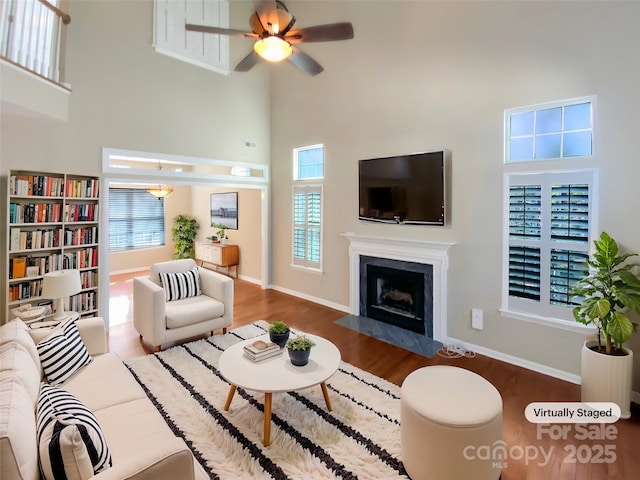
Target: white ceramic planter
{"points": [[607, 378]]}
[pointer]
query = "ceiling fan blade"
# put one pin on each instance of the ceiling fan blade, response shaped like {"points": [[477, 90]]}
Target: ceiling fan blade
{"points": [[321, 33], [304, 62], [267, 12], [248, 62], [220, 31]]}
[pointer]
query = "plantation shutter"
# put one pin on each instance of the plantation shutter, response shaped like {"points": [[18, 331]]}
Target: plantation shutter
{"points": [[569, 223], [549, 231], [524, 224], [136, 219], [307, 220]]}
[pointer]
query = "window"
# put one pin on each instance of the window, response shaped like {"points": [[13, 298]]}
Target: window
{"points": [[308, 163], [307, 219], [550, 230], [551, 131], [136, 219]]}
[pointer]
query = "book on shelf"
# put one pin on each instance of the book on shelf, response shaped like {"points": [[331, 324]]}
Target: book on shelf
{"points": [[15, 239], [19, 265]]}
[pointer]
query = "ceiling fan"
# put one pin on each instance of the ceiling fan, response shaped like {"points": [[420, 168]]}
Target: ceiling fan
{"points": [[272, 28]]}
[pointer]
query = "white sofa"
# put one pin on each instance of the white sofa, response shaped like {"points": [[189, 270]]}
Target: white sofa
{"points": [[158, 321], [142, 446]]}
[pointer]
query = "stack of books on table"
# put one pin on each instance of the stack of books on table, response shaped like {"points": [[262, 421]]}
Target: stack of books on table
{"points": [[261, 350]]}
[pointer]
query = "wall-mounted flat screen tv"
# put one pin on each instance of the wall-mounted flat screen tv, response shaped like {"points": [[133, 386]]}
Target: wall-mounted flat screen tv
{"points": [[407, 189]]}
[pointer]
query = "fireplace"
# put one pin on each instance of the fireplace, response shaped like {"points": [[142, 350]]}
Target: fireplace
{"points": [[397, 292], [413, 255], [396, 296]]}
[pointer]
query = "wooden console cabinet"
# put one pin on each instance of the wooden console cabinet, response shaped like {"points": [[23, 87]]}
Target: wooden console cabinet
{"points": [[219, 255]]}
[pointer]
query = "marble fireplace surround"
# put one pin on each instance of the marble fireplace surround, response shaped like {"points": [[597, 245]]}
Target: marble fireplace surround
{"points": [[419, 251]]}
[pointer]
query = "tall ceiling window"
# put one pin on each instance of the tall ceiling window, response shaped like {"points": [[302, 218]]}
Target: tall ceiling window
{"points": [[550, 212], [136, 219], [308, 166]]}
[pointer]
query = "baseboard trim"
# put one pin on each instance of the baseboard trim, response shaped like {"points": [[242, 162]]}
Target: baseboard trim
{"points": [[311, 298], [255, 281], [517, 361], [129, 270]]}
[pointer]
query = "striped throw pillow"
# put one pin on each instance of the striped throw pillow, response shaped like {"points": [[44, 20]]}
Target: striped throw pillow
{"points": [[180, 285], [63, 353], [70, 441]]}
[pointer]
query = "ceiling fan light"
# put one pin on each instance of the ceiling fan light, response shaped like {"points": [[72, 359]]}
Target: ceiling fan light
{"points": [[273, 49]]}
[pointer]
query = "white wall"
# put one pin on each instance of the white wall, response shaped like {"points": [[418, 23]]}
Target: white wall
{"points": [[427, 75], [126, 96]]}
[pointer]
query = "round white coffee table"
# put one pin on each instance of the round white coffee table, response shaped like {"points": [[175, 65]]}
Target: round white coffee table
{"points": [[277, 374]]}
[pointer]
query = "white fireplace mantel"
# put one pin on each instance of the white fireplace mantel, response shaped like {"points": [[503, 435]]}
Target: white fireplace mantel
{"points": [[419, 251]]}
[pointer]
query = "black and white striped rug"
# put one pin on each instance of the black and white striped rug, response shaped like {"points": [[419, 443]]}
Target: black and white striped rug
{"points": [[359, 439]]}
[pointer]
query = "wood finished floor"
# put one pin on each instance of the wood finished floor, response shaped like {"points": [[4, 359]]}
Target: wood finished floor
{"points": [[517, 386]]}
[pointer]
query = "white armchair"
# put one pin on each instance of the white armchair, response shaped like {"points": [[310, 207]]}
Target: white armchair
{"points": [[158, 321]]}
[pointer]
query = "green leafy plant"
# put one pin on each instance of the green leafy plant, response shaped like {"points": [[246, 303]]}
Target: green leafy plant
{"points": [[183, 232], [222, 230], [300, 343], [278, 327], [608, 291]]}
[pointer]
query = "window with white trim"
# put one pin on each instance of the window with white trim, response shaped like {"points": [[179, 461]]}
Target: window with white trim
{"points": [[308, 164], [307, 218], [555, 130], [136, 219], [549, 214], [548, 239]]}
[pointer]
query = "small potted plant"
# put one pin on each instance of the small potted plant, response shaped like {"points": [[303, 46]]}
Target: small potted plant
{"points": [[279, 333], [221, 233], [608, 292], [299, 349]]}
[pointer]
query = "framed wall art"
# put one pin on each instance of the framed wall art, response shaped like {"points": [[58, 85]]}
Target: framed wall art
{"points": [[224, 209]]}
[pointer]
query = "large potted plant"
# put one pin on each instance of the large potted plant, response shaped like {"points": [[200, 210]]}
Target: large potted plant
{"points": [[184, 232], [609, 291]]}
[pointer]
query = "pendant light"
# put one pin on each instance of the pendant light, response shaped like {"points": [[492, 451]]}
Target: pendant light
{"points": [[159, 191]]}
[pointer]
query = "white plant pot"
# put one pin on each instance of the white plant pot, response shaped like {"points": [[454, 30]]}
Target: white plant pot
{"points": [[607, 378]]}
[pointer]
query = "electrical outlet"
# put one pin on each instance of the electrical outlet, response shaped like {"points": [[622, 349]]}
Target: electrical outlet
{"points": [[476, 318]]}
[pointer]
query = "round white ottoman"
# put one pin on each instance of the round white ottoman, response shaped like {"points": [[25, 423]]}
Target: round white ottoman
{"points": [[446, 414]]}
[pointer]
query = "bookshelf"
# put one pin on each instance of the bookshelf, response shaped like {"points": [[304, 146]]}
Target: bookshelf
{"points": [[52, 224]]}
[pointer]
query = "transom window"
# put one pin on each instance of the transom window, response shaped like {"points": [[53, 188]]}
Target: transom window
{"points": [[308, 162], [551, 131], [136, 219]]}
